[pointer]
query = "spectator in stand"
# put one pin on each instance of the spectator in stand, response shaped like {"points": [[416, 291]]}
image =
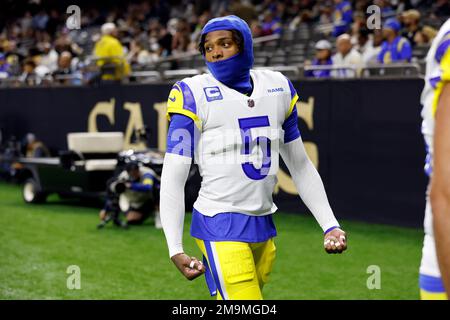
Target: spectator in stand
{"points": [[64, 68], [256, 29], [138, 55], [440, 9], [169, 31], [13, 57], [152, 38], [243, 9], [37, 28], [346, 56], [403, 5], [342, 17], [325, 13], [181, 39], [359, 23], [49, 57], [425, 36], [369, 45], [303, 16], [195, 36], [308, 11], [270, 24], [281, 13], [362, 40], [111, 53], [39, 21], [322, 58], [28, 75], [395, 48], [411, 21], [4, 67], [387, 11]]}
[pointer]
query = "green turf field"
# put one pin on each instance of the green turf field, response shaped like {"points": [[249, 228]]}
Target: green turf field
{"points": [[39, 242]]}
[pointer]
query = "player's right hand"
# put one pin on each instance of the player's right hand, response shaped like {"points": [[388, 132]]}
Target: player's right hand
{"points": [[190, 267], [335, 241]]}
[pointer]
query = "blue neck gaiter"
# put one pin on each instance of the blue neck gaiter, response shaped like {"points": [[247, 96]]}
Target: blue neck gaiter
{"points": [[234, 72]]}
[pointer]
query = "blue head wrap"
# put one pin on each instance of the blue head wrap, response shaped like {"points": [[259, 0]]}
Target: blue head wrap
{"points": [[234, 72]]}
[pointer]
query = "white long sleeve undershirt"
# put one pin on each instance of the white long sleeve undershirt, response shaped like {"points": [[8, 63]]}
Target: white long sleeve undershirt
{"points": [[308, 183], [173, 178]]}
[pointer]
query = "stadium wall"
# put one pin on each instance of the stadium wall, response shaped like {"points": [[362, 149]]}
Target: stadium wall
{"points": [[363, 135]]}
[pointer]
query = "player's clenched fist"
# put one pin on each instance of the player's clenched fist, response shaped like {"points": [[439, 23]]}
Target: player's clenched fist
{"points": [[190, 267], [335, 241]]}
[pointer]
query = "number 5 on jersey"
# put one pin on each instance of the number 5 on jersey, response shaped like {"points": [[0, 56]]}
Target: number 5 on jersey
{"points": [[245, 124]]}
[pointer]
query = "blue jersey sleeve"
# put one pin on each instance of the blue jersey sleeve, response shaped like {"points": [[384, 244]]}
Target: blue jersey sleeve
{"points": [[180, 136], [290, 127]]}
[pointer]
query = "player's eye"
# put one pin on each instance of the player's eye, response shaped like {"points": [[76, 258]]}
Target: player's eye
{"points": [[226, 44]]}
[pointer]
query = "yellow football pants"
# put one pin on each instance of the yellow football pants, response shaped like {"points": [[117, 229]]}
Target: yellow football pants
{"points": [[237, 270], [426, 295]]}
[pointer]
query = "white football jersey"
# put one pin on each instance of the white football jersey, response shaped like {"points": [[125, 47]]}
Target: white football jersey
{"points": [[436, 71], [434, 74], [238, 147]]}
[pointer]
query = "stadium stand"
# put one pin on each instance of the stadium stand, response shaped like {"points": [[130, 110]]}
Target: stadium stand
{"points": [[160, 38]]}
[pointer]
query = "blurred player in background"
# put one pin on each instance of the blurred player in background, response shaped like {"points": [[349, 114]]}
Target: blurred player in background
{"points": [[247, 116], [435, 265]]}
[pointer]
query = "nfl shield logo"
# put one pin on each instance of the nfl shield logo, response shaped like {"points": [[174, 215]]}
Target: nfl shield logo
{"points": [[251, 103]]}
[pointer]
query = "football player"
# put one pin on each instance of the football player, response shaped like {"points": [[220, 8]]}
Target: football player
{"points": [[234, 122], [435, 264]]}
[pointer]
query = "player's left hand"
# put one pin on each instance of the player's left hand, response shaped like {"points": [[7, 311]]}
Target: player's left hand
{"points": [[335, 241]]}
